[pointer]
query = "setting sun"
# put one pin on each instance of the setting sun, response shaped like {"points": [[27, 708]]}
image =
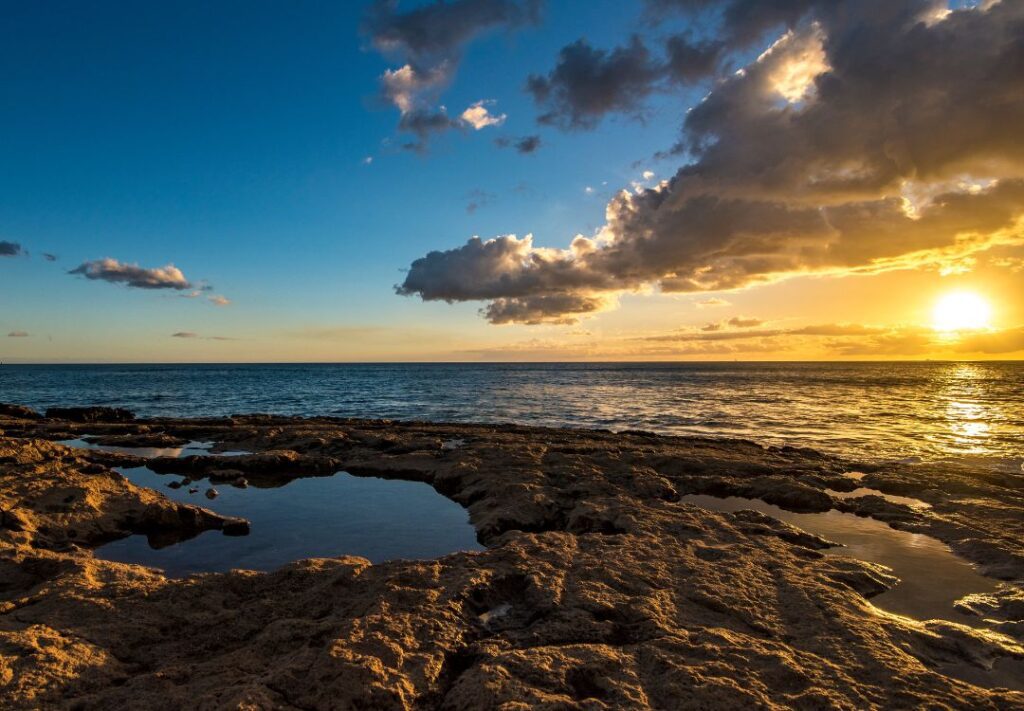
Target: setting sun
{"points": [[961, 311]]}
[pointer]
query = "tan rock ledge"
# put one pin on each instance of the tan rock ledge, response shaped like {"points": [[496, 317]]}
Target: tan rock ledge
{"points": [[598, 587]]}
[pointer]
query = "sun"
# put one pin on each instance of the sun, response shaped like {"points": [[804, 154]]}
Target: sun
{"points": [[961, 311]]}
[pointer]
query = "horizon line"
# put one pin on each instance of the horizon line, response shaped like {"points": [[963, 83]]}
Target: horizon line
{"points": [[517, 362]]}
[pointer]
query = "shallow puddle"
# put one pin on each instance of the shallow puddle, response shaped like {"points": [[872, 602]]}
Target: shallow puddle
{"points": [[309, 517], [892, 498], [187, 450], [379, 519], [931, 576]]}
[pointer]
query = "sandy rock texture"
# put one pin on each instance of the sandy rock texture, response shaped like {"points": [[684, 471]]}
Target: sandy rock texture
{"points": [[598, 589]]}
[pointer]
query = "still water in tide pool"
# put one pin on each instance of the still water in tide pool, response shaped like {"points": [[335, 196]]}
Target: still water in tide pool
{"points": [[931, 577], [928, 410], [384, 519], [311, 517]]}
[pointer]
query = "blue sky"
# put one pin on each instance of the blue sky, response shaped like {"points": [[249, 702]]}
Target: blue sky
{"points": [[230, 139]]}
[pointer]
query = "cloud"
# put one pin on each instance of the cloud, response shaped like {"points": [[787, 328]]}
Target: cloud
{"points": [[440, 29], [50, 257], [820, 340], [916, 341], [712, 302], [115, 272], [428, 41], [423, 123], [588, 83], [735, 322], [11, 249], [193, 334], [689, 62], [996, 342], [479, 198], [525, 144], [219, 300], [404, 86], [478, 117], [867, 137], [718, 332], [18, 334], [850, 339], [743, 22], [558, 309]]}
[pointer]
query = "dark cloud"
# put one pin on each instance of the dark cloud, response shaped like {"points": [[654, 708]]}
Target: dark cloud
{"points": [[115, 272], [525, 144], [193, 334], [740, 22], [479, 198], [424, 123], [11, 249], [557, 309], [870, 136], [428, 40], [50, 257], [437, 31], [588, 83], [18, 334], [689, 62]]}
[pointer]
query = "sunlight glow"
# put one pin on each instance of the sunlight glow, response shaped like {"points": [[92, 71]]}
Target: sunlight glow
{"points": [[961, 311]]}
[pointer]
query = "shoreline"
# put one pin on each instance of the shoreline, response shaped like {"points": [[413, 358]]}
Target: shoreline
{"points": [[597, 585]]}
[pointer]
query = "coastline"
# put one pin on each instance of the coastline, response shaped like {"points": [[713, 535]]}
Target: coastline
{"points": [[598, 586]]}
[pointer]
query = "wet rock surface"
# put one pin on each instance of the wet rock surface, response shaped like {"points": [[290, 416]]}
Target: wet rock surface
{"points": [[598, 588]]}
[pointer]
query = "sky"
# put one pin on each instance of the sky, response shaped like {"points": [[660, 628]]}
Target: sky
{"points": [[507, 180]]}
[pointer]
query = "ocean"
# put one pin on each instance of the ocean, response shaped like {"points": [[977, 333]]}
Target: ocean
{"points": [[866, 411]]}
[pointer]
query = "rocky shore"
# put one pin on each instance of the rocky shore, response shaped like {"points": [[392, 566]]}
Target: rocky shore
{"points": [[598, 587]]}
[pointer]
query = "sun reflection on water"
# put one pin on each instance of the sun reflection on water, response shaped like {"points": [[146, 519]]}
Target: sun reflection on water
{"points": [[968, 417]]}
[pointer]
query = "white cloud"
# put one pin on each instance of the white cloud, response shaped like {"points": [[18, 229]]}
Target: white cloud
{"points": [[478, 116], [115, 272]]}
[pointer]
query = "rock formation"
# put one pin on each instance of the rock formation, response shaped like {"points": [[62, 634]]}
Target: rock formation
{"points": [[598, 587]]}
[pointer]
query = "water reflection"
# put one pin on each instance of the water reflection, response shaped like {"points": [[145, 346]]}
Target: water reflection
{"points": [[379, 519], [968, 416], [187, 450], [931, 576]]}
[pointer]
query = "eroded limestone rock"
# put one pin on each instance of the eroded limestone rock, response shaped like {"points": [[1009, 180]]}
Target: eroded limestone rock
{"points": [[598, 588]]}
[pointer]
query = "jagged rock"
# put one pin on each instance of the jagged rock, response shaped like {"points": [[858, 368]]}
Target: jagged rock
{"points": [[144, 439], [18, 411], [597, 589], [235, 527], [90, 414], [220, 476]]}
